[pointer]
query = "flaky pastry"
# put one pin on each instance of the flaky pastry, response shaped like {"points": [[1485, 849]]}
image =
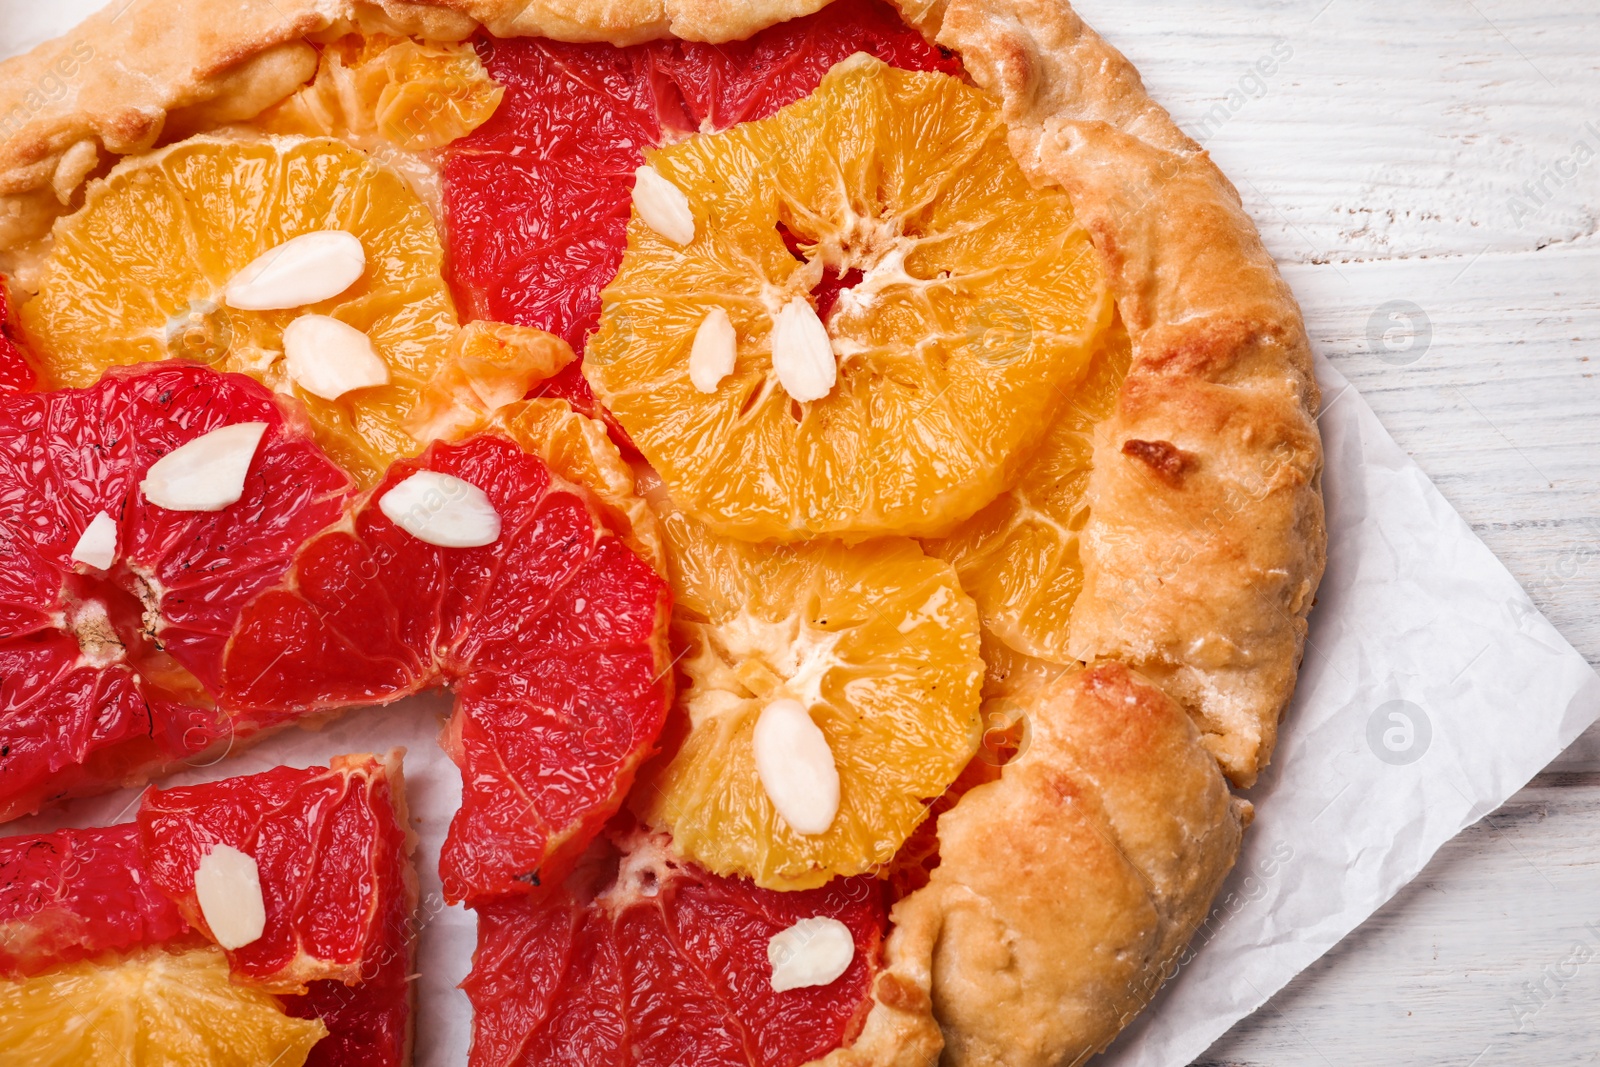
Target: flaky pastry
{"points": [[1066, 889]]}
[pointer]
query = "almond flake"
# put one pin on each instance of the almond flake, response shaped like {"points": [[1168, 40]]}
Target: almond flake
{"points": [[796, 767], [328, 358], [712, 354], [302, 270], [443, 510], [662, 205], [97, 546], [228, 885], [812, 952], [206, 474], [801, 352]]}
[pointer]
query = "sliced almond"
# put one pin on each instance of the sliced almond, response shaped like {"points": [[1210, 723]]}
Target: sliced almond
{"points": [[97, 545], [662, 205], [812, 952], [228, 885], [328, 358], [796, 767], [302, 270], [208, 473], [712, 355], [443, 510], [801, 352]]}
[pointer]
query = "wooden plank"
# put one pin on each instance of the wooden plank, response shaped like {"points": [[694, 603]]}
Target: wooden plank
{"points": [[1491, 957], [1389, 129], [1411, 152], [1426, 152]]}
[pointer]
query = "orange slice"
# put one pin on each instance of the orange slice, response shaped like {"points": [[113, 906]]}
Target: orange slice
{"points": [[176, 1009], [138, 273], [488, 365], [1018, 557], [972, 304], [380, 89], [878, 645]]}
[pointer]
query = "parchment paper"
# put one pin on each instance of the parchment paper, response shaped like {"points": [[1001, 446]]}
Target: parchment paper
{"points": [[1432, 690]]}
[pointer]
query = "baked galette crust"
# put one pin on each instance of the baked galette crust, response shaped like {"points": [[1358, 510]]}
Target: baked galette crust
{"points": [[1067, 889]]}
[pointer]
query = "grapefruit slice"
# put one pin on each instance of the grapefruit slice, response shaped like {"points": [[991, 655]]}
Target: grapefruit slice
{"points": [[74, 894], [879, 647], [534, 236], [641, 959], [1018, 557], [330, 844], [114, 910], [578, 449], [106, 673], [978, 302], [140, 273], [16, 373], [553, 638]]}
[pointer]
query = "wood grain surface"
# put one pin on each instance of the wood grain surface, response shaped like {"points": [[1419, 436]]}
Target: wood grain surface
{"points": [[1428, 174]]}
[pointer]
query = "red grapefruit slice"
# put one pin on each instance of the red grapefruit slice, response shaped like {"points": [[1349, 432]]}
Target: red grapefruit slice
{"points": [[330, 843], [643, 960], [16, 373], [534, 236], [553, 638], [331, 848], [74, 894], [105, 673]]}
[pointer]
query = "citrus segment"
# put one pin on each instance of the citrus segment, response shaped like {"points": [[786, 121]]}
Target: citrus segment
{"points": [[176, 1009], [489, 365], [331, 851], [640, 959], [578, 449], [553, 639], [138, 274], [330, 848], [106, 675], [1018, 557], [875, 641], [16, 373], [740, 81], [535, 236], [382, 89], [978, 301], [72, 894]]}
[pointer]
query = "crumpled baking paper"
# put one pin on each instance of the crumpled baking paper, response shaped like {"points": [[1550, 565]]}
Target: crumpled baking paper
{"points": [[1432, 690]]}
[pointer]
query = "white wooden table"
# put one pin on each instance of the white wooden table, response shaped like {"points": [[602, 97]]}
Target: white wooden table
{"points": [[1385, 159]]}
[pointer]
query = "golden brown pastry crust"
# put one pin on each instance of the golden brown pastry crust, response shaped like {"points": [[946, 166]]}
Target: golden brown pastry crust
{"points": [[1205, 540], [1067, 888], [153, 70]]}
